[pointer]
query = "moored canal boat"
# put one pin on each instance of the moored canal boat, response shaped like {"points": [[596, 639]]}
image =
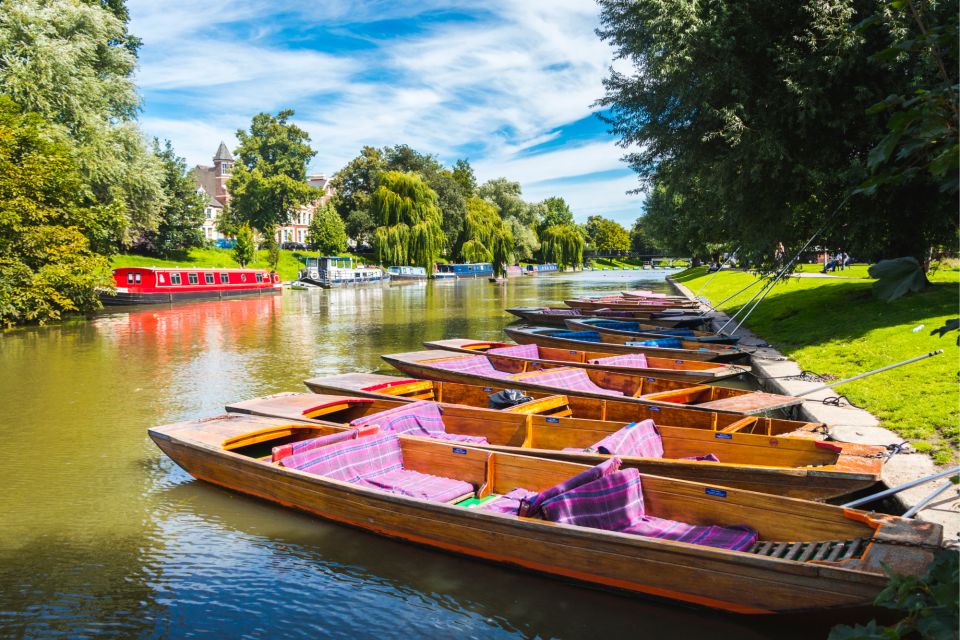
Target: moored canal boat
{"points": [[407, 274], [468, 270], [537, 357], [723, 548], [796, 467], [155, 285], [480, 369], [336, 271]]}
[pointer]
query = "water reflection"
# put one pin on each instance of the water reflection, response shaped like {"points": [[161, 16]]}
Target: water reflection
{"points": [[101, 535]]}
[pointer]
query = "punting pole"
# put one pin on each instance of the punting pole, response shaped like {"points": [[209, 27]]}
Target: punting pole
{"points": [[912, 511], [705, 284], [902, 487], [762, 290], [733, 295], [868, 373]]}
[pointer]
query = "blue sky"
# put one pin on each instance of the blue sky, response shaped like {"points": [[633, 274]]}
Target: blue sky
{"points": [[507, 84]]}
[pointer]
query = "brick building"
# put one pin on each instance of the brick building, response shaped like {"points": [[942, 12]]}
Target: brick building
{"points": [[212, 183]]}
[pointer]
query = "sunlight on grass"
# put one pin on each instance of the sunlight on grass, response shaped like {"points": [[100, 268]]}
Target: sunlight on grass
{"points": [[835, 327]]}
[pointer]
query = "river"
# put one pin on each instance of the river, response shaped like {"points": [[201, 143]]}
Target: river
{"points": [[102, 536]]}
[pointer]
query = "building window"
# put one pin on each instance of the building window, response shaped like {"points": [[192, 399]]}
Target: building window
{"points": [[224, 278], [193, 278], [208, 278], [209, 213], [175, 278], [225, 168]]}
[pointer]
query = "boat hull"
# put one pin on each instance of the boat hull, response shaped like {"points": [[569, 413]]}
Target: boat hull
{"points": [[128, 299], [607, 333], [536, 316], [712, 578]]}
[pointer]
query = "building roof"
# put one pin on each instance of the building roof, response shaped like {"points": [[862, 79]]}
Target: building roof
{"points": [[223, 153], [206, 180]]}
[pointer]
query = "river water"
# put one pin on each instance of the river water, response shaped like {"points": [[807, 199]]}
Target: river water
{"points": [[102, 536]]}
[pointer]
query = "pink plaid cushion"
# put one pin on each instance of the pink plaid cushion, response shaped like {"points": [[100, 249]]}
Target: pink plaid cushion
{"points": [[508, 502], [519, 351], [478, 365], [353, 460], [422, 418], [419, 485], [612, 502], [570, 379], [284, 450], [735, 538], [639, 439], [636, 360]]}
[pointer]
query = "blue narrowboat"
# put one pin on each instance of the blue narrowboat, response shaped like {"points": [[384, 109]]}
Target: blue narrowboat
{"points": [[470, 270]]}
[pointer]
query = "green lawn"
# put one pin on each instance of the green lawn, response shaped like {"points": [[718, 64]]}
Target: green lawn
{"points": [[287, 268], [835, 327]]}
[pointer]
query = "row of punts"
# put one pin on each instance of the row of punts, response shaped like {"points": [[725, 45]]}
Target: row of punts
{"points": [[631, 470]]}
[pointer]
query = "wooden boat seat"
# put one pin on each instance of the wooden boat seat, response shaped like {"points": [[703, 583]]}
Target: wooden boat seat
{"points": [[556, 406], [822, 551], [740, 425]]}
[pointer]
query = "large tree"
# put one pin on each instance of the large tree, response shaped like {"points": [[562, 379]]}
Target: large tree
{"points": [[72, 63], [269, 180], [182, 217], [46, 227], [555, 211], [562, 244], [327, 233], [507, 196], [486, 238], [410, 230], [757, 115], [607, 235]]}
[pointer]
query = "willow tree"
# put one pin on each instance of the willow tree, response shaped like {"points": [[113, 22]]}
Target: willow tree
{"points": [[563, 244], [486, 237], [409, 221]]}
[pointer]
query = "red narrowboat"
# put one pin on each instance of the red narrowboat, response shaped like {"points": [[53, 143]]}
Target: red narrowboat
{"points": [[150, 285]]}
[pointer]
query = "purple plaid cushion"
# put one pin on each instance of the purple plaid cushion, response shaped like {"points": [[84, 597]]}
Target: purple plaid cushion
{"points": [[604, 468], [636, 360], [560, 312], [639, 439], [612, 502], [735, 538], [284, 450], [707, 458], [353, 460], [508, 502], [422, 418], [519, 351], [569, 379], [471, 364], [419, 485]]}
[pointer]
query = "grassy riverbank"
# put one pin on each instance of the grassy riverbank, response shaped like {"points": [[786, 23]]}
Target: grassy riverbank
{"points": [[835, 327], [287, 268]]}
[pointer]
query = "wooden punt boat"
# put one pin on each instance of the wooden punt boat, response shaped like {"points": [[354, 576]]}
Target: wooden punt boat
{"points": [[568, 339], [626, 303], [555, 316], [649, 295], [641, 331], [478, 369], [796, 467], [782, 554], [546, 357], [549, 403]]}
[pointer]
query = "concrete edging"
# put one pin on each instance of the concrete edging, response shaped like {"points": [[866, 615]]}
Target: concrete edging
{"points": [[848, 424]]}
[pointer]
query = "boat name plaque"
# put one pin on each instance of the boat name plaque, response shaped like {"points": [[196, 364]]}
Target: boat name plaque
{"points": [[459, 450], [720, 493], [723, 436], [553, 420]]}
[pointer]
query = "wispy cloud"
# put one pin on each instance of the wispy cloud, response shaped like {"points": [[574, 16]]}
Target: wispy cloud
{"points": [[456, 79]]}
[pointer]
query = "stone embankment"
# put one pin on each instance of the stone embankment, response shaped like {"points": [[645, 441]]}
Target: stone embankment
{"points": [[779, 374]]}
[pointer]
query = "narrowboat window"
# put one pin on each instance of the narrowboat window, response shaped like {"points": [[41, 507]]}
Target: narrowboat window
{"points": [[174, 278], [208, 277], [129, 278], [161, 278], [259, 277], [224, 278], [243, 277], [136, 278], [193, 278]]}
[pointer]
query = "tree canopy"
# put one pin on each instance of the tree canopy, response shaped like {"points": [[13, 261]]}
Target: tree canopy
{"points": [[47, 266], [327, 233], [753, 120], [410, 230], [486, 238], [269, 179], [607, 235], [182, 216], [562, 244]]}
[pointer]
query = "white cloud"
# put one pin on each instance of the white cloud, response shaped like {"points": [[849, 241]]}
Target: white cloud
{"points": [[502, 83]]}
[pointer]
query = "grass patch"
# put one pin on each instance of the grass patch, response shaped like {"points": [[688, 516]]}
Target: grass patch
{"points": [[288, 267], [837, 328]]}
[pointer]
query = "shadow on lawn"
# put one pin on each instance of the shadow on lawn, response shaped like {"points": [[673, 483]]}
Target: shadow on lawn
{"points": [[847, 311]]}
